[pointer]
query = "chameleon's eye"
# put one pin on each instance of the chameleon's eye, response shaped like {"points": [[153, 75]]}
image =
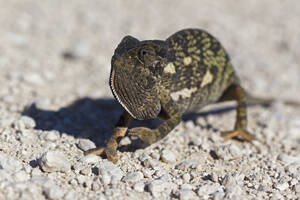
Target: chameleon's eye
{"points": [[145, 53]]}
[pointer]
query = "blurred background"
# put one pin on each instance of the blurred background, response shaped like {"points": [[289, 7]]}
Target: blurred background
{"points": [[55, 52]]}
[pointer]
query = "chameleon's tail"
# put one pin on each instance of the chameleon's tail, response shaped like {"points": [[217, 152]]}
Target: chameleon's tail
{"points": [[252, 100]]}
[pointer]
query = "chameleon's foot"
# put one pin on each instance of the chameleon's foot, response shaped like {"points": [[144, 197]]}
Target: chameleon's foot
{"points": [[147, 135], [110, 153], [243, 134]]}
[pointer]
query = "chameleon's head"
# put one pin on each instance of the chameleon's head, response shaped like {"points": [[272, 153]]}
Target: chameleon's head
{"points": [[136, 70]]}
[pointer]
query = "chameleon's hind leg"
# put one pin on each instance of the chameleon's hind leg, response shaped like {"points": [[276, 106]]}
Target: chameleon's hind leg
{"points": [[236, 92]]}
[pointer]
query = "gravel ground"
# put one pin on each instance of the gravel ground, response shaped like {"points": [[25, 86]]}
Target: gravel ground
{"points": [[55, 102]]}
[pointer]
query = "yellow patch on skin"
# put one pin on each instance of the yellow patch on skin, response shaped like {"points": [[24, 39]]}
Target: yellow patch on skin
{"points": [[208, 78], [187, 60], [184, 93], [170, 68]]}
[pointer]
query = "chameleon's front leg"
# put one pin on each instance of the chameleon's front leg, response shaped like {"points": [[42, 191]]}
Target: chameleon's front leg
{"points": [[171, 118], [111, 147]]}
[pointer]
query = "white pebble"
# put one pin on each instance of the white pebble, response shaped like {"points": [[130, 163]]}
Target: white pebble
{"points": [[133, 177], [9, 163], [139, 187], [90, 159], [52, 136], [53, 161], [193, 164], [156, 187], [24, 122], [110, 172], [168, 156], [185, 194], [85, 144], [281, 186], [186, 177], [54, 192]]}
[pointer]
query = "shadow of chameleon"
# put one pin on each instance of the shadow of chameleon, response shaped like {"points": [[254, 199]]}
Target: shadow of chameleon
{"points": [[95, 119]]}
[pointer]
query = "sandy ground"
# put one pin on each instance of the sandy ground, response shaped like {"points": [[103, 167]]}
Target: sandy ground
{"points": [[55, 101]]}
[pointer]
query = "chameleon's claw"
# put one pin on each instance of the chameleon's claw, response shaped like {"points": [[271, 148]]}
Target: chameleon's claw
{"points": [[145, 134], [244, 134], [110, 153]]}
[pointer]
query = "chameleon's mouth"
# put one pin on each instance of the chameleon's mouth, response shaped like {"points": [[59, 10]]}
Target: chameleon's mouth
{"points": [[139, 103]]}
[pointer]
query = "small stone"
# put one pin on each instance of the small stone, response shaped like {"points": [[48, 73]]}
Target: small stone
{"points": [[186, 186], [9, 163], [206, 190], [281, 186], [96, 186], [24, 122], [156, 187], [185, 194], [85, 144], [168, 156], [34, 78], [193, 164], [186, 177], [21, 176], [53, 161], [54, 192], [52, 136], [85, 171], [148, 173], [155, 155], [110, 172], [90, 159], [151, 163], [139, 187], [297, 188], [144, 157], [133, 177], [125, 141]]}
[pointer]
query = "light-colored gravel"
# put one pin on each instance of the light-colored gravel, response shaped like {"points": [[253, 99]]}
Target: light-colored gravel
{"points": [[55, 102]]}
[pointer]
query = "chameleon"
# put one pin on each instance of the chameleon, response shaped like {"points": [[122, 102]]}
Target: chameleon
{"points": [[165, 79]]}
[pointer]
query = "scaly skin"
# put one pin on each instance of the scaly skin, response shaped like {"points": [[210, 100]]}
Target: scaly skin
{"points": [[168, 78]]}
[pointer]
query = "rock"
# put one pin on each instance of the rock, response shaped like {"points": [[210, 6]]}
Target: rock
{"points": [[155, 155], [9, 164], [186, 177], [168, 156], [133, 177], [206, 190], [193, 164], [110, 172], [297, 188], [156, 187], [281, 186], [186, 194], [24, 122], [85, 144], [139, 187], [148, 173], [52, 136], [151, 163], [90, 159], [53, 192], [53, 161]]}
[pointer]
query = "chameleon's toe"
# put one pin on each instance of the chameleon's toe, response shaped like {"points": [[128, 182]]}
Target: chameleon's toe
{"points": [[111, 154], [145, 134], [241, 133]]}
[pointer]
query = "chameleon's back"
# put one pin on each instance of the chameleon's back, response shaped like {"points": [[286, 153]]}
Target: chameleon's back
{"points": [[200, 69]]}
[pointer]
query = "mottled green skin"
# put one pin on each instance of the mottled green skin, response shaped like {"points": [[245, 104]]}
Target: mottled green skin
{"points": [[207, 55], [165, 79]]}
